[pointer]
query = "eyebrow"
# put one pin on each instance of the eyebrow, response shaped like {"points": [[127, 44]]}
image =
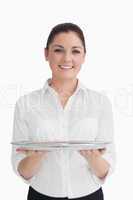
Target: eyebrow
{"points": [[74, 47]]}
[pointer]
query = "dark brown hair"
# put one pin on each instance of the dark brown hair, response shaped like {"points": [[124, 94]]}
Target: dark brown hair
{"points": [[66, 27]]}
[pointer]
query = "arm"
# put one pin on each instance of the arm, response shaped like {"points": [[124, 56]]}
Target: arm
{"points": [[98, 164], [103, 162], [29, 166], [25, 163]]}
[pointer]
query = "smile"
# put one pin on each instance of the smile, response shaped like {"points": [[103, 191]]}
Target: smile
{"points": [[65, 66]]}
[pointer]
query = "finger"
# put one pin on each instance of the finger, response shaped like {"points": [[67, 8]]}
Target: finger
{"points": [[23, 149], [102, 150], [26, 151], [20, 150], [85, 153], [41, 152], [96, 152]]}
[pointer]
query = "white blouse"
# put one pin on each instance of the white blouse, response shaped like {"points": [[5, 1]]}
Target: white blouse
{"points": [[87, 115]]}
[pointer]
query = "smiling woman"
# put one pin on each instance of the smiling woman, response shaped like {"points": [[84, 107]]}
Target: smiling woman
{"points": [[65, 51], [65, 54], [64, 110]]}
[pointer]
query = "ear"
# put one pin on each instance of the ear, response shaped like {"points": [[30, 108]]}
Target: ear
{"points": [[46, 54]]}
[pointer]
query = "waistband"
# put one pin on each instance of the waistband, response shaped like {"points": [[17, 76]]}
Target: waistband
{"points": [[35, 195]]}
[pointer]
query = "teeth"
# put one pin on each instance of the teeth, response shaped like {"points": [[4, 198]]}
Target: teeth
{"points": [[65, 67]]}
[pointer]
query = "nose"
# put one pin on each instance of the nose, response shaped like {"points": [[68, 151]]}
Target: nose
{"points": [[67, 57]]}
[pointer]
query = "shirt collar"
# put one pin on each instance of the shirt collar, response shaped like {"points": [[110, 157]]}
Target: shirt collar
{"points": [[80, 86]]}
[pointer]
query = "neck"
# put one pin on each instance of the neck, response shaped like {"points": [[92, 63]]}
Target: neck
{"points": [[64, 87]]}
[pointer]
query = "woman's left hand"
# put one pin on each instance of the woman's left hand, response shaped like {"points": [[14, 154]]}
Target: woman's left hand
{"points": [[98, 164], [92, 153]]}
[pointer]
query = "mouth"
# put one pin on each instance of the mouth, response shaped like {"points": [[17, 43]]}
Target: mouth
{"points": [[65, 67]]}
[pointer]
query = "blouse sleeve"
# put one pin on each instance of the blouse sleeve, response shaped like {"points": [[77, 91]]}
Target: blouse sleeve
{"points": [[106, 133], [20, 133]]}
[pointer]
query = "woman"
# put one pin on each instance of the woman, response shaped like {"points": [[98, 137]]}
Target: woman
{"points": [[64, 109]]}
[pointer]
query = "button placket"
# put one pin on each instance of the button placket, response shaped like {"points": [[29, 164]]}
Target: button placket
{"points": [[64, 126], [65, 152], [65, 171], [63, 123], [68, 174]]}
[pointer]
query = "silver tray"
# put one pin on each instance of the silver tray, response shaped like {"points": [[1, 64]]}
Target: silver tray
{"points": [[55, 145]]}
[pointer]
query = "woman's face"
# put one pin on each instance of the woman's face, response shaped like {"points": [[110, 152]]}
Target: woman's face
{"points": [[65, 55]]}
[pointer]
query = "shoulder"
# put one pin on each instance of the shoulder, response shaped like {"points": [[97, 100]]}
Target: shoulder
{"points": [[29, 100], [97, 97]]}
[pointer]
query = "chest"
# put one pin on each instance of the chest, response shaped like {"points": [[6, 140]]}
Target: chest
{"points": [[49, 123], [59, 118]]}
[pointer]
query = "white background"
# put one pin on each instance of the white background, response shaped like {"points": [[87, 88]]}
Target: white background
{"points": [[108, 28]]}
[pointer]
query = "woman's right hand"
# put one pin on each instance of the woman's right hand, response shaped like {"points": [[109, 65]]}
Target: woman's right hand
{"points": [[28, 152], [29, 166]]}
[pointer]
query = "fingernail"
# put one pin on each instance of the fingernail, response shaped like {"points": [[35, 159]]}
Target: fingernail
{"points": [[17, 149]]}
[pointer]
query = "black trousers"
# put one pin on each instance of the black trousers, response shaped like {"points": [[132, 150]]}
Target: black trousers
{"points": [[34, 195]]}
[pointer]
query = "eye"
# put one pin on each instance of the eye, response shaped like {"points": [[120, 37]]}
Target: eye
{"points": [[76, 51], [58, 50]]}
